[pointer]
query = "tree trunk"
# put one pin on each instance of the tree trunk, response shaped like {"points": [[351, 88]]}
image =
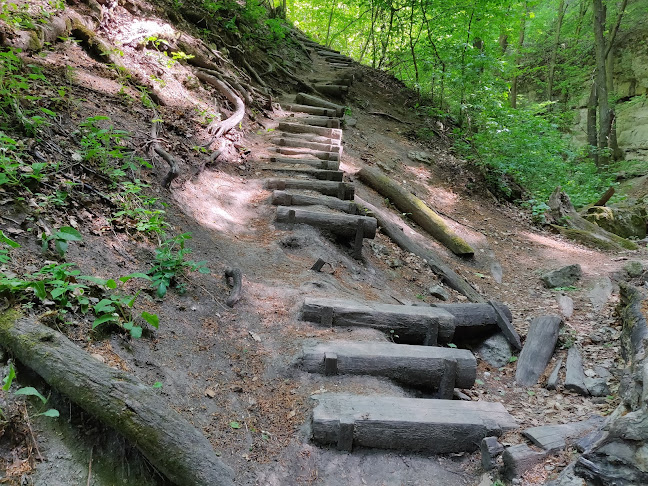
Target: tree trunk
{"points": [[418, 211], [137, 411], [554, 50], [514, 84], [604, 115], [328, 28], [592, 136]]}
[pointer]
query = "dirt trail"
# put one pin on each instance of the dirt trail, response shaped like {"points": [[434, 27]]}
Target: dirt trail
{"points": [[230, 370]]}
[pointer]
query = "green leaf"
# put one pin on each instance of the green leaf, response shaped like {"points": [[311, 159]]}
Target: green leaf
{"points": [[48, 112], [52, 412], [8, 241], [134, 275], [111, 284], [204, 270], [95, 280], [30, 391], [530, 393], [136, 332], [513, 359], [452, 345], [39, 289], [9, 378], [68, 233], [61, 246], [104, 318], [161, 290], [128, 325], [104, 305], [152, 319], [235, 425], [157, 384]]}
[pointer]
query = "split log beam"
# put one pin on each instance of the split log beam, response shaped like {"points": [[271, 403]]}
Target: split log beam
{"points": [[418, 366], [307, 99], [137, 411], [338, 224], [396, 234], [321, 175], [332, 156], [319, 121], [320, 164], [282, 198], [335, 90], [300, 143], [475, 320], [311, 137], [412, 325], [341, 190], [605, 197], [312, 110], [538, 349], [334, 133], [419, 212]]}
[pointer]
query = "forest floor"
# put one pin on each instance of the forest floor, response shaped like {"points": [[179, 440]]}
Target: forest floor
{"points": [[231, 371]]}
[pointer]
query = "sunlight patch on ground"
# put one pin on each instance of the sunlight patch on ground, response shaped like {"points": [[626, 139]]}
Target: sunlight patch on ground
{"points": [[221, 202]]}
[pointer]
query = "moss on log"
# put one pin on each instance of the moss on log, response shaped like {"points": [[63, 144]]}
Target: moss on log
{"points": [[419, 212], [137, 411]]}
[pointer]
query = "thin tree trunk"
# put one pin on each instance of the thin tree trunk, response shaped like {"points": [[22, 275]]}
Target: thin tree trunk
{"points": [[592, 138], [554, 50], [328, 28], [617, 153], [463, 70], [601, 82], [514, 84]]}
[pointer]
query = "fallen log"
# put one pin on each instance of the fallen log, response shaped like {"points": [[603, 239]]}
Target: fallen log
{"points": [[577, 228], [412, 325], [605, 197], [222, 127], [320, 164], [419, 212], [474, 320], [340, 80], [299, 143], [322, 175], [333, 156], [341, 190], [418, 366], [137, 411], [335, 90], [312, 110], [538, 349], [334, 133], [281, 198], [415, 424], [307, 99], [396, 234], [237, 285], [338, 224]]}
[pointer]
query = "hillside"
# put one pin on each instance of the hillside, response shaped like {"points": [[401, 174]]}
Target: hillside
{"points": [[137, 145]]}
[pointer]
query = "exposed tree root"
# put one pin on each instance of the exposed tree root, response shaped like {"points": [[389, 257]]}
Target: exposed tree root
{"points": [[237, 281], [224, 126], [174, 170]]}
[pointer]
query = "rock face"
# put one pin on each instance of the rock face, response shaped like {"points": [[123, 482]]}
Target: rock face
{"points": [[628, 222], [496, 350], [574, 374], [562, 277]]}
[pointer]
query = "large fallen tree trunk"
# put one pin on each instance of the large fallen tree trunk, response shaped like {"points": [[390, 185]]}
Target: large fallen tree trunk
{"points": [[577, 228], [396, 234], [137, 411], [418, 211], [339, 224]]}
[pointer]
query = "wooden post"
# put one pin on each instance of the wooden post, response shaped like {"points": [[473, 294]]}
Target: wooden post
{"points": [[359, 237]]}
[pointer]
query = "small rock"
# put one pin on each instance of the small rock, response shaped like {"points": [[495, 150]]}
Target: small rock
{"points": [[597, 387], [574, 376], [633, 269], [424, 157], [490, 449], [98, 357], [459, 395], [601, 293], [603, 372], [590, 373], [395, 263], [210, 392], [552, 382], [439, 292], [496, 350], [562, 277], [378, 249], [496, 271], [350, 121], [566, 305]]}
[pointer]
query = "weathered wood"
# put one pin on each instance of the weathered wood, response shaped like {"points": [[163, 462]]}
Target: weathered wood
{"points": [[334, 133], [311, 137], [282, 198], [300, 143], [416, 366], [396, 234], [137, 411], [339, 80], [318, 121], [341, 190], [605, 197], [552, 381], [553, 438], [415, 424], [418, 211], [336, 90], [474, 320], [339, 224], [322, 175], [237, 285], [307, 99], [520, 458], [333, 55], [312, 110], [303, 151], [319, 264], [538, 349], [574, 374], [320, 164], [411, 324], [504, 323], [490, 448]]}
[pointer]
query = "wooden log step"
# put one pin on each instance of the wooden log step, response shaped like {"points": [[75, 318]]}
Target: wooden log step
{"points": [[320, 47], [412, 325], [312, 110], [418, 366], [307, 99], [318, 121], [341, 190], [334, 133], [311, 137], [282, 198], [338, 224], [332, 54], [300, 143], [321, 175], [415, 424], [320, 164], [474, 320], [342, 80], [557, 437], [334, 156], [335, 90], [538, 349]]}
